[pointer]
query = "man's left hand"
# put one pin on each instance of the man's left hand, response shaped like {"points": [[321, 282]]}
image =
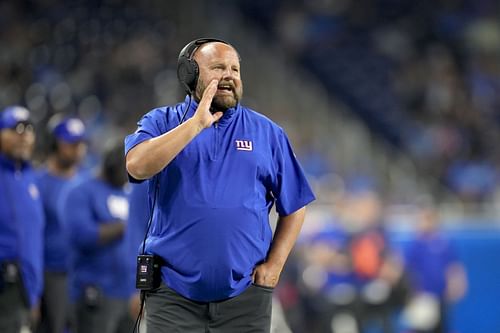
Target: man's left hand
{"points": [[266, 275]]}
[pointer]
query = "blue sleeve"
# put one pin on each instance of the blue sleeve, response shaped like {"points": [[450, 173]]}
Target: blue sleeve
{"points": [[290, 186], [31, 220], [83, 229], [151, 125], [34, 256]]}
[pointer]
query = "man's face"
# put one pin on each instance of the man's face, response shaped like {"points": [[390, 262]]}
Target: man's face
{"points": [[70, 154], [221, 62], [17, 143]]}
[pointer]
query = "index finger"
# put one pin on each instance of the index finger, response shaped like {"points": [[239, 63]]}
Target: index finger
{"points": [[209, 92]]}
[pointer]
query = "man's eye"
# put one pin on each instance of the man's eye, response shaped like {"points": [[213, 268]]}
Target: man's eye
{"points": [[22, 128]]}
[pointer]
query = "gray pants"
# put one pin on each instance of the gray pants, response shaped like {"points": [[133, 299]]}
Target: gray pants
{"points": [[108, 316], [13, 310], [55, 303], [250, 312]]}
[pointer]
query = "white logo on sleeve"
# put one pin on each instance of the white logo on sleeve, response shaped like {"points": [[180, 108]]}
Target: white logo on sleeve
{"points": [[245, 145], [33, 190], [118, 207]]}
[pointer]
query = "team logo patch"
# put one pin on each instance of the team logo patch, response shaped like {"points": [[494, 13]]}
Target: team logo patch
{"points": [[118, 207], [245, 145], [33, 190]]}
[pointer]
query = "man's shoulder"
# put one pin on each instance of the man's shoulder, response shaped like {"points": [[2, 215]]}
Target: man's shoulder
{"points": [[164, 114], [162, 111], [258, 118]]}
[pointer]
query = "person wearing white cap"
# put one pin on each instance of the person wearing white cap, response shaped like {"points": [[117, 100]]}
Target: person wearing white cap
{"points": [[67, 148]]}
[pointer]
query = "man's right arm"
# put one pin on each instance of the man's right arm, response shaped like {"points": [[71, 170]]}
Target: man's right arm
{"points": [[150, 157]]}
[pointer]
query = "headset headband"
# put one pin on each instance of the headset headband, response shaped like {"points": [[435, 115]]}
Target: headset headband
{"points": [[188, 50]]}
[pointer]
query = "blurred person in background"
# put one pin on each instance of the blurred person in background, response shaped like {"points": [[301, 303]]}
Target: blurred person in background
{"points": [[21, 223], [330, 289], [96, 210], [67, 148], [219, 173], [377, 269], [437, 276]]}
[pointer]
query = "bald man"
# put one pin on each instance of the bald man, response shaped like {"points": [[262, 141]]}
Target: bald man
{"points": [[215, 169]]}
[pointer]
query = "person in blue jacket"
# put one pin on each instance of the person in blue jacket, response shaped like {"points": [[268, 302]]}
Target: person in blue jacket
{"points": [[67, 148], [213, 180], [96, 210], [435, 271], [21, 222]]}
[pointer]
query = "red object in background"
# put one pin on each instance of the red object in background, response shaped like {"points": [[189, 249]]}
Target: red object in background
{"points": [[367, 254]]}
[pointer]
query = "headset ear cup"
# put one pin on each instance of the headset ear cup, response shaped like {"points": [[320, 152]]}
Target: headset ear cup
{"points": [[195, 73], [187, 72]]}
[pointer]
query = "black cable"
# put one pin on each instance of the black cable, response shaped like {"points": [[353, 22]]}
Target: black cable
{"points": [[187, 109], [137, 323]]}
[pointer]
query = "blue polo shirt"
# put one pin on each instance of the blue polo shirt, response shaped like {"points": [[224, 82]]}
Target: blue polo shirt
{"points": [[87, 204], [211, 219], [21, 224], [427, 259]]}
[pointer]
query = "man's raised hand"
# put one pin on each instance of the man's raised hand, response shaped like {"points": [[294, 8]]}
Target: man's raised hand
{"points": [[203, 114]]}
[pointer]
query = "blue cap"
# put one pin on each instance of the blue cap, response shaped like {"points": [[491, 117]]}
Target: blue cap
{"points": [[69, 130], [13, 115]]}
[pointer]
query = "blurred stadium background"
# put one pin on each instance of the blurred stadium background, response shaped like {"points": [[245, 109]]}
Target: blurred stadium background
{"points": [[398, 97]]}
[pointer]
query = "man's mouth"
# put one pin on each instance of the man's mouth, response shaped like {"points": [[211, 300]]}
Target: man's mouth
{"points": [[225, 88]]}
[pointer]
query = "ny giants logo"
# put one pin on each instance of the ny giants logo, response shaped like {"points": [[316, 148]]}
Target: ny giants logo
{"points": [[245, 145]]}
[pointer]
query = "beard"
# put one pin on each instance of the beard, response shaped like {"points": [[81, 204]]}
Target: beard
{"points": [[221, 102]]}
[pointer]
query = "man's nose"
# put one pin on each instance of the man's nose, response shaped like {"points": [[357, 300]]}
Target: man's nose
{"points": [[227, 73]]}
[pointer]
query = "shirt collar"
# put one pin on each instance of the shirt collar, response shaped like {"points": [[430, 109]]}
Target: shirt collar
{"points": [[12, 165], [223, 121]]}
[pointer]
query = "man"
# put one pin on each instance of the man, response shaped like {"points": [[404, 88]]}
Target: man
{"points": [[21, 221], [96, 209], [437, 276], [214, 179], [67, 149]]}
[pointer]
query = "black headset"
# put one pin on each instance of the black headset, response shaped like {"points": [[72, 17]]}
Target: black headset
{"points": [[187, 68]]}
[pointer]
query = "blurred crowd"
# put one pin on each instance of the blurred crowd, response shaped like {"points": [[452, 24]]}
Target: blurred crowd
{"points": [[105, 61], [423, 75], [350, 273]]}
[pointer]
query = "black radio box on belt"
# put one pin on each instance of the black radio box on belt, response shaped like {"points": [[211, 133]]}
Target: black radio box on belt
{"points": [[148, 274]]}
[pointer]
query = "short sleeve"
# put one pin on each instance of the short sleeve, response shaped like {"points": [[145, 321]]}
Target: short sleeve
{"points": [[290, 186], [151, 125], [147, 128]]}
